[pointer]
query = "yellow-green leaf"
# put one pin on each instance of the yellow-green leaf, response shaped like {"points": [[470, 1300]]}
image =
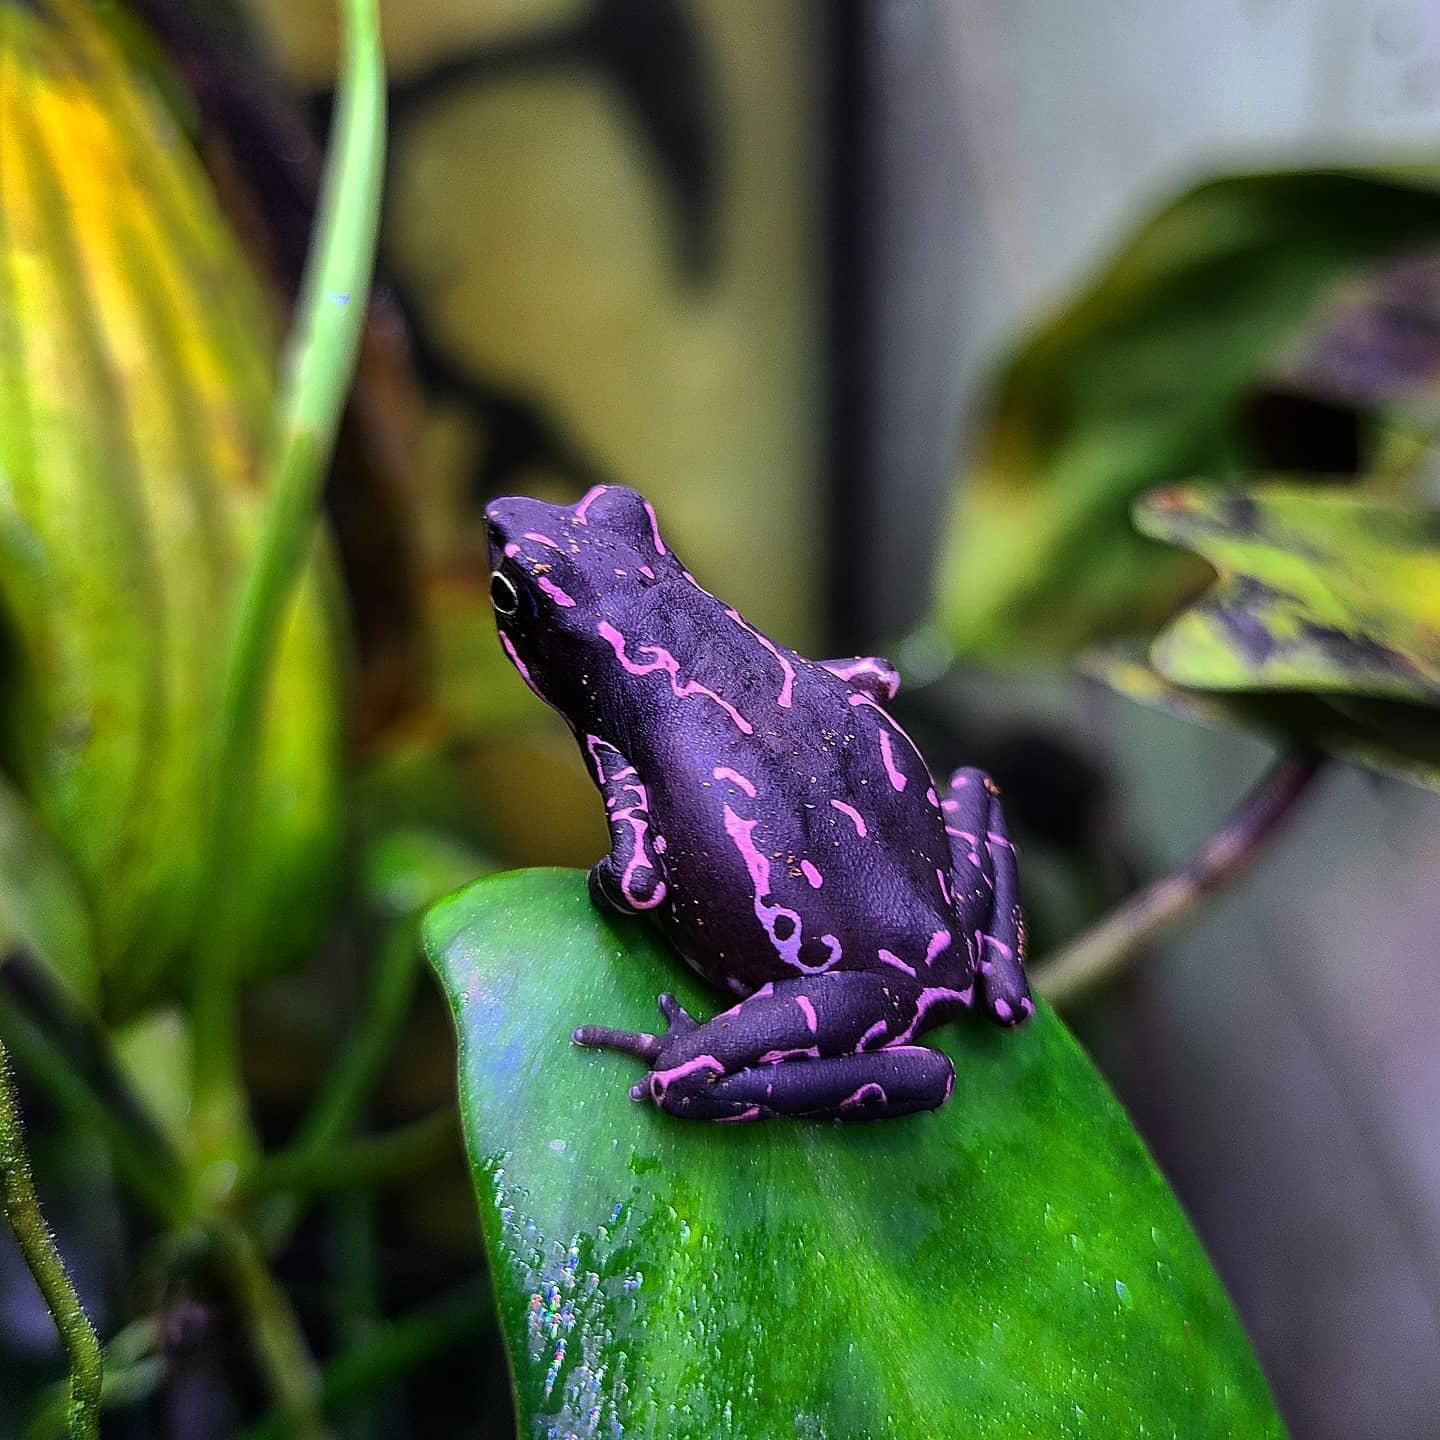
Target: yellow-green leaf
{"points": [[1318, 590], [136, 364]]}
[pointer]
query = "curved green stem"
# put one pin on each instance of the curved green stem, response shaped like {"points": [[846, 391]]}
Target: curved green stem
{"points": [[37, 1245], [1105, 950], [319, 366]]}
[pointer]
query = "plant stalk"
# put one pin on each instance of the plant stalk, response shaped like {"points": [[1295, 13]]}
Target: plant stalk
{"points": [[37, 1245], [319, 366], [1108, 948]]}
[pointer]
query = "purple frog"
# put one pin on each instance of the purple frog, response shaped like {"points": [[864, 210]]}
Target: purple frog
{"points": [[779, 825]]}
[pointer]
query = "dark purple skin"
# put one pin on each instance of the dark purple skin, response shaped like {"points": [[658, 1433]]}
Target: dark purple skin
{"points": [[771, 817]]}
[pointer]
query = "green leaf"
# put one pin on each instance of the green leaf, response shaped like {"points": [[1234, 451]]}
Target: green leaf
{"points": [[1318, 590], [136, 383], [1384, 735], [1140, 380], [1012, 1265], [42, 911]]}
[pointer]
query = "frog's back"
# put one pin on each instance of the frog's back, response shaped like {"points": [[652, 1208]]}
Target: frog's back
{"points": [[799, 827]]}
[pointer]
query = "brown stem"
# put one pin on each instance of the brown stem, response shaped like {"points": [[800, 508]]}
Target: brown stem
{"points": [[1105, 950]]}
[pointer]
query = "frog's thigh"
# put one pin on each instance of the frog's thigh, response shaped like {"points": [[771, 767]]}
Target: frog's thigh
{"points": [[876, 1085], [987, 893]]}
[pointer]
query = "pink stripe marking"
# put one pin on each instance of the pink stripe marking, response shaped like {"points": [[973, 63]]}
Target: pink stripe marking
{"points": [[587, 500], [554, 592], [854, 814], [875, 1032], [724, 772], [891, 958], [661, 1080], [804, 1052], [926, 1001], [787, 947], [938, 942], [931, 796], [751, 1112], [945, 890], [647, 572], [540, 539], [515, 659], [815, 878], [868, 1091], [654, 528], [896, 778], [808, 1011], [869, 666], [511, 550], [787, 670], [664, 661]]}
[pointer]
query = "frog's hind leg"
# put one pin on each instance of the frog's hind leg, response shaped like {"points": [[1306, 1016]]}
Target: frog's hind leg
{"points": [[828, 1045], [987, 894]]}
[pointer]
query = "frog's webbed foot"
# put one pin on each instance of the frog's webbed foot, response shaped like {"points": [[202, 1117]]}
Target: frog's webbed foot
{"points": [[631, 877], [831, 1045], [987, 894]]}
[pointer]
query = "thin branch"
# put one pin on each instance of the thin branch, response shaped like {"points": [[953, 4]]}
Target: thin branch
{"points": [[1106, 949], [37, 1245]]}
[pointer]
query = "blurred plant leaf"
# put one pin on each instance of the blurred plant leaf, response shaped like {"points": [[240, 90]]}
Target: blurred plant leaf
{"points": [[135, 388], [1318, 590], [1375, 342], [42, 911], [1384, 735], [1010, 1266], [1140, 380]]}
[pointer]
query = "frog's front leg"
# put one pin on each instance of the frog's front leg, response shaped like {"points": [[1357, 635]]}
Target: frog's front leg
{"points": [[631, 877], [987, 894], [829, 1045]]}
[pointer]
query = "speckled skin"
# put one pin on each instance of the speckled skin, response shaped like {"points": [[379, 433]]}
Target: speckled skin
{"points": [[771, 816]]}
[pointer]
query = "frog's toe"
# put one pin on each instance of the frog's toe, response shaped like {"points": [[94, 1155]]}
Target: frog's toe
{"points": [[639, 1043], [680, 1021], [1004, 992]]}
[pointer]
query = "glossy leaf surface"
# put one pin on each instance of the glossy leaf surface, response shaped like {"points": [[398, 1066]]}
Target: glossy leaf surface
{"points": [[136, 384], [1139, 381], [1012, 1265], [1318, 590]]}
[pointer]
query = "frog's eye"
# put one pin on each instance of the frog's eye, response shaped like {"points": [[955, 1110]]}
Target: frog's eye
{"points": [[503, 594]]}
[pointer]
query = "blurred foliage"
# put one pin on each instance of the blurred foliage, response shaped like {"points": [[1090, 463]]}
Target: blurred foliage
{"points": [[604, 229], [135, 386], [1013, 1263], [1318, 591], [1151, 375]]}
